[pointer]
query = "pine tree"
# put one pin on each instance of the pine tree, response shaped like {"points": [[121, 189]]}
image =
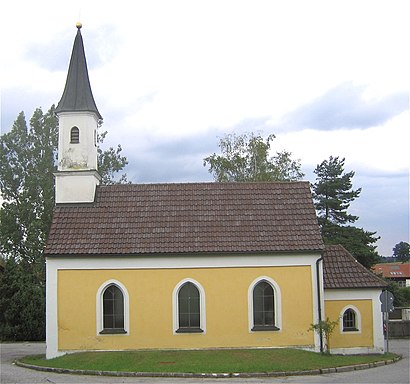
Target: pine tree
{"points": [[332, 194]]}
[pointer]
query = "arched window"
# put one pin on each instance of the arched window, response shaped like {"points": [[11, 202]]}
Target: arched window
{"points": [[350, 320], [112, 308], [75, 135], [189, 307], [264, 305]]}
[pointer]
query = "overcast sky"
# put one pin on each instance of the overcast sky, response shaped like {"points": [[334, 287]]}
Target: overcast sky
{"points": [[171, 77]]}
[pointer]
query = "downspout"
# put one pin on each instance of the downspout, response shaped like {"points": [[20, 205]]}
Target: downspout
{"points": [[319, 300]]}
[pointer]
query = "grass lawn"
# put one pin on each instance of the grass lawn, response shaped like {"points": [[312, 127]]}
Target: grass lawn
{"points": [[209, 361]]}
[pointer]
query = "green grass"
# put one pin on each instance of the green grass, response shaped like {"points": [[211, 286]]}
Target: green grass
{"points": [[208, 361]]}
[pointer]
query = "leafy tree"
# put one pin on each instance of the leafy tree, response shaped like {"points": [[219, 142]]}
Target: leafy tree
{"points": [[401, 251], [22, 303], [332, 194], [287, 169], [110, 162], [401, 294], [246, 158], [28, 158]]}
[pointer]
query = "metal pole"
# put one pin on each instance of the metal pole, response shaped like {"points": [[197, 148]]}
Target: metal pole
{"points": [[387, 323]]}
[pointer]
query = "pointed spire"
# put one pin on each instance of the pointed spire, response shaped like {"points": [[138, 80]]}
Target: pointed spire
{"points": [[77, 95]]}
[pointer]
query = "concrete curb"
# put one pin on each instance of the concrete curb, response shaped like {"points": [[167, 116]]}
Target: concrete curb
{"points": [[321, 371]]}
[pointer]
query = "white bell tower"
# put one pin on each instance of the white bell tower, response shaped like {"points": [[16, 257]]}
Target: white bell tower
{"points": [[78, 119]]}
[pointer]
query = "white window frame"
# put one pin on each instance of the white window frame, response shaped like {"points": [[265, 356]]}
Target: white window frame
{"points": [[277, 302], [175, 309], [100, 309], [358, 317]]}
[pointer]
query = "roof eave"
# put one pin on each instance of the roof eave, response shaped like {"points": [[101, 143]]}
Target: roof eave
{"points": [[186, 254], [356, 287]]}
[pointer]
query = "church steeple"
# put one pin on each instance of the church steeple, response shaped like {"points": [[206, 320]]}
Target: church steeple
{"points": [[77, 95], [78, 120]]}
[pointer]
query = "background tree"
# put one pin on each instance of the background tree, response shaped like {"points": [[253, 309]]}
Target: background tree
{"points": [[401, 251], [28, 158], [401, 294], [246, 158], [359, 242], [110, 163], [332, 194], [22, 303]]}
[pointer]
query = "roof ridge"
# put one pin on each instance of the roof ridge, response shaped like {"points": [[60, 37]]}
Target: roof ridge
{"points": [[194, 183]]}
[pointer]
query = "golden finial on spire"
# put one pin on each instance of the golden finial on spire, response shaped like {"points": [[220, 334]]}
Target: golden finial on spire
{"points": [[78, 25]]}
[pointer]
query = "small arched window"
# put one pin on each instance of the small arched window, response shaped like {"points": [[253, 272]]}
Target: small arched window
{"points": [[189, 309], [350, 320], [113, 310], [75, 135]]}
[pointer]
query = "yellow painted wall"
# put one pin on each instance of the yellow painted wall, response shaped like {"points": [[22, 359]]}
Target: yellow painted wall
{"points": [[150, 306], [340, 339]]}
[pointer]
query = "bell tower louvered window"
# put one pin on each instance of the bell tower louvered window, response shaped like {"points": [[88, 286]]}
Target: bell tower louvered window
{"points": [[74, 135]]}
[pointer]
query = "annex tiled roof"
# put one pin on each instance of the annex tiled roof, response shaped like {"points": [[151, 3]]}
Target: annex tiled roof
{"points": [[342, 270], [188, 218]]}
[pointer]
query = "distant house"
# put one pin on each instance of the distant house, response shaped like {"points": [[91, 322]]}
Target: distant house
{"points": [[397, 272], [190, 265]]}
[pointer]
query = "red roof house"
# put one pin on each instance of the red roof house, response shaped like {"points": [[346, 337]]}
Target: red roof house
{"points": [[397, 272]]}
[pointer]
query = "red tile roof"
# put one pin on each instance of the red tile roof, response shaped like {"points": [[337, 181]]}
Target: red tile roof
{"points": [[187, 219], [342, 270], [393, 270]]}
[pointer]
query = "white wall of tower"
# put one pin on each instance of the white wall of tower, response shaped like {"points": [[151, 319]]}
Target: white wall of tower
{"points": [[82, 155]]}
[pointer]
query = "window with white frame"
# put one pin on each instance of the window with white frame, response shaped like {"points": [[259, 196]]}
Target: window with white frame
{"points": [[350, 319], [264, 305], [189, 307], [112, 308]]}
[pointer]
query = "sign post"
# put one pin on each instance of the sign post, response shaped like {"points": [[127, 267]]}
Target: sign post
{"points": [[386, 298]]}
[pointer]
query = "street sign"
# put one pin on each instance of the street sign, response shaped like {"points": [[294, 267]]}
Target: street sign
{"points": [[387, 298]]}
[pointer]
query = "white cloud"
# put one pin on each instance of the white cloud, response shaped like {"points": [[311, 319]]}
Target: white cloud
{"points": [[380, 149]]}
